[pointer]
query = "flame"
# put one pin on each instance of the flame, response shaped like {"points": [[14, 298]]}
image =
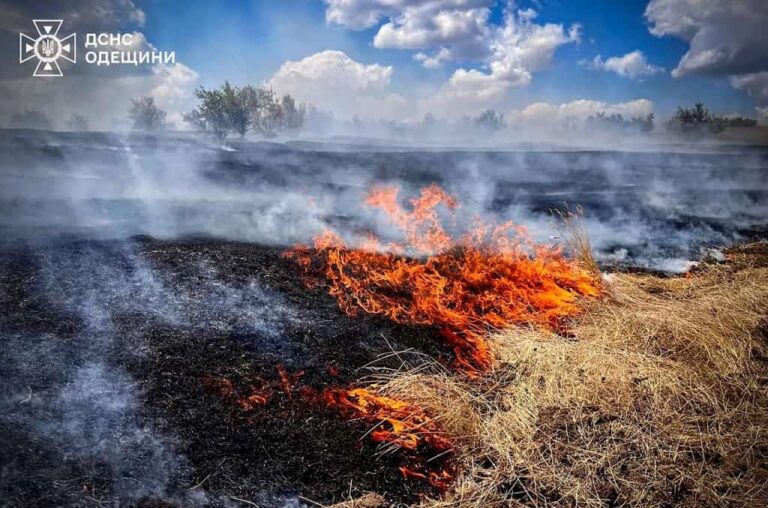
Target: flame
{"points": [[397, 423], [493, 277], [259, 391], [400, 423], [403, 425]]}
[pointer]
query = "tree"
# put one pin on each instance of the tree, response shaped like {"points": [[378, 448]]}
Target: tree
{"points": [[77, 123], [740, 121], [266, 113], [236, 104], [617, 123], [211, 114], [231, 109], [490, 120], [145, 115], [292, 117], [31, 119], [697, 120]]}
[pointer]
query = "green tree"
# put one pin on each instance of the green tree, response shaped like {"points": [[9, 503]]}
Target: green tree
{"points": [[697, 120], [211, 113], [230, 109]]}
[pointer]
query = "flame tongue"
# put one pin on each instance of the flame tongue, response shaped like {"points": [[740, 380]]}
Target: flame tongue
{"points": [[493, 277], [397, 422], [403, 425]]}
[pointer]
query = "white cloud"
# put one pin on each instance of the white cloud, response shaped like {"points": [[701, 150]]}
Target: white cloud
{"points": [[518, 48], [756, 85], [632, 65], [331, 80], [432, 62], [544, 114], [725, 37], [460, 30]]}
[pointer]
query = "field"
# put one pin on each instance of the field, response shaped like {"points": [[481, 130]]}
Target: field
{"points": [[164, 345]]}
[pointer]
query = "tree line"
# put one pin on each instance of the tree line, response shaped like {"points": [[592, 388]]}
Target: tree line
{"points": [[231, 110], [698, 120]]}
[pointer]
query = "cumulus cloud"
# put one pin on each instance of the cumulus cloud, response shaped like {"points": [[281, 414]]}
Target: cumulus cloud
{"points": [[756, 85], [519, 48], [460, 30], [545, 114], [434, 61], [450, 29], [725, 37], [632, 65], [331, 80]]}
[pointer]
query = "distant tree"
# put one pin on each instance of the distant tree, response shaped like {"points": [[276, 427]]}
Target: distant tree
{"points": [[292, 117], [266, 113], [31, 119], [145, 115], [318, 120], [697, 120], [77, 123], [740, 121], [617, 123], [490, 120], [230, 109]]}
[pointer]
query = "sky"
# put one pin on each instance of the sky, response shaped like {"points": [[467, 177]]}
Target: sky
{"points": [[401, 59]]}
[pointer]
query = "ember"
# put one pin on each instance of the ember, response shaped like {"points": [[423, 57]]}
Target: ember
{"points": [[490, 278], [259, 391]]}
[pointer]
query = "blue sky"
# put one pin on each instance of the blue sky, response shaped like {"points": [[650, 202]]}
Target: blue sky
{"points": [[402, 59], [248, 41]]}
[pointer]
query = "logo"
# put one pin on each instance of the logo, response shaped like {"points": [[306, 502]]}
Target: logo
{"points": [[47, 48]]}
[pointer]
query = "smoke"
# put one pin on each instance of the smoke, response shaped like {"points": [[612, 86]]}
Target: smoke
{"points": [[655, 205], [69, 393]]}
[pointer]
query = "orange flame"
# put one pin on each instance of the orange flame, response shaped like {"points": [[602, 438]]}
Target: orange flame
{"points": [[493, 277], [398, 422], [401, 424]]}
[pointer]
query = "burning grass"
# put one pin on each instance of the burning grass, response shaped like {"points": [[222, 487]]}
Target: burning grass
{"points": [[405, 427], [490, 278], [658, 398], [656, 394]]}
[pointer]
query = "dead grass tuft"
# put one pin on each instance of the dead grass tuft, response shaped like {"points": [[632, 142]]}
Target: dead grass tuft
{"points": [[575, 238], [660, 397]]}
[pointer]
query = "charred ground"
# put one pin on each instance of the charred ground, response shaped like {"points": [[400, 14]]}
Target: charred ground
{"points": [[271, 453]]}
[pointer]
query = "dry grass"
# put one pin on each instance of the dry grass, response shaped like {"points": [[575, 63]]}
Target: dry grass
{"points": [[660, 397], [575, 238]]}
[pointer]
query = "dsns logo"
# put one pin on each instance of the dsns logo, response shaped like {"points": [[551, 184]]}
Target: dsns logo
{"points": [[47, 47]]}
